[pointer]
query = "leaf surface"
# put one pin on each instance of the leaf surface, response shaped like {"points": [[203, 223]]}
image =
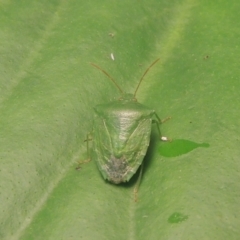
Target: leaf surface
{"points": [[190, 189]]}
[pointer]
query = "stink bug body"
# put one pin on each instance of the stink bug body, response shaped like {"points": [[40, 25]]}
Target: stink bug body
{"points": [[121, 134]]}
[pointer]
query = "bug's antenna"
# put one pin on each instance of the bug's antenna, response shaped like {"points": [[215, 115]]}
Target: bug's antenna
{"points": [[108, 76], [144, 75]]}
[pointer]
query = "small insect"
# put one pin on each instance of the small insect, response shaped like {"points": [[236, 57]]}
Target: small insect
{"points": [[121, 135]]}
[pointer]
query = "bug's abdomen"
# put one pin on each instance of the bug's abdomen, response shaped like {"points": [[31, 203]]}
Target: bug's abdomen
{"points": [[116, 169]]}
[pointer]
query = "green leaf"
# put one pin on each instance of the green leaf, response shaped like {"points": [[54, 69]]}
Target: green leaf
{"points": [[190, 189]]}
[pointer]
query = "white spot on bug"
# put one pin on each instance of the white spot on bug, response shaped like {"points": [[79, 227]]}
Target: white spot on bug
{"points": [[112, 57], [164, 138]]}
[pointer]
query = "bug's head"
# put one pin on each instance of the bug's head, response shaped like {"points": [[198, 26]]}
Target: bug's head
{"points": [[127, 97]]}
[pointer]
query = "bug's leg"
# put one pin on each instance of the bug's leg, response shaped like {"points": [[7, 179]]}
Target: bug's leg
{"points": [[135, 191], [88, 153], [162, 121], [158, 122]]}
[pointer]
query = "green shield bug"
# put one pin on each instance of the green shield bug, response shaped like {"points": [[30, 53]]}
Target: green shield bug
{"points": [[121, 135]]}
